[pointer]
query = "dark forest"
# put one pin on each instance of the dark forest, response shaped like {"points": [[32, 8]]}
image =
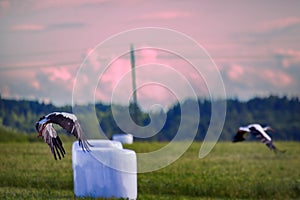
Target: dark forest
{"points": [[281, 113]]}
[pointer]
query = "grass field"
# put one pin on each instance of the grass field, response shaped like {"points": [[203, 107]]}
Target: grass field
{"points": [[231, 171]]}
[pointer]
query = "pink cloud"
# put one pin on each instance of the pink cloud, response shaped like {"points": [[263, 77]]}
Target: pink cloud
{"points": [[28, 75], [4, 5], [151, 94], [24, 83], [166, 15], [153, 67], [27, 27], [116, 71], [35, 84], [279, 24], [122, 65], [58, 73], [276, 77], [5, 91], [288, 57], [235, 72], [92, 58], [251, 76], [148, 55]]}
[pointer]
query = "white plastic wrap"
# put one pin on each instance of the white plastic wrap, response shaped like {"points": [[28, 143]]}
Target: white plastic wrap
{"points": [[106, 171], [123, 138]]}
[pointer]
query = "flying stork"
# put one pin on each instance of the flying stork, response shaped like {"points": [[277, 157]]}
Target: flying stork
{"points": [[68, 122], [259, 132]]}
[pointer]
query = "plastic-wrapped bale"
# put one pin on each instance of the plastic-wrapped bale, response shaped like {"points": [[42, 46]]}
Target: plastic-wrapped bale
{"points": [[106, 171], [102, 143], [123, 138]]}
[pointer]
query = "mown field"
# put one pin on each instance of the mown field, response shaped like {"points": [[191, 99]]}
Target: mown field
{"points": [[231, 171]]}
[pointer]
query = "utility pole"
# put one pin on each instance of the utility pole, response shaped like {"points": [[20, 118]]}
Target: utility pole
{"points": [[135, 108]]}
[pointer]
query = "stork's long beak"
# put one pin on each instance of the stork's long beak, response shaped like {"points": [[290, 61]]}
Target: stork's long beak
{"points": [[41, 130], [272, 130], [40, 134]]}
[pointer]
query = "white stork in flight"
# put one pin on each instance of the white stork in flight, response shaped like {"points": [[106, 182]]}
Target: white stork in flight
{"points": [[68, 122], [259, 132]]}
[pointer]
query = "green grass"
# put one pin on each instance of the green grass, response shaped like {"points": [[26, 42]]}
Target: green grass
{"points": [[231, 171]]}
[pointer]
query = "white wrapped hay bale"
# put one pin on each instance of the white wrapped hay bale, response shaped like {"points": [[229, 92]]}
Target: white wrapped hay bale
{"points": [[123, 138], [107, 171], [102, 143]]}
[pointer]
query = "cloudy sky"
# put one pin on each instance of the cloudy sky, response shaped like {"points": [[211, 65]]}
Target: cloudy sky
{"points": [[255, 46]]}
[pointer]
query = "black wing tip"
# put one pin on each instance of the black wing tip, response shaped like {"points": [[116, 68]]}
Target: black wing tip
{"points": [[58, 148], [236, 139], [85, 145], [37, 126]]}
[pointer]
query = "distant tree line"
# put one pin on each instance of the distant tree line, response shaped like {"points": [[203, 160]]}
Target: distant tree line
{"points": [[281, 113]]}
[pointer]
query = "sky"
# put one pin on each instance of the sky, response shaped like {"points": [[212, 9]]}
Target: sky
{"points": [[52, 51]]}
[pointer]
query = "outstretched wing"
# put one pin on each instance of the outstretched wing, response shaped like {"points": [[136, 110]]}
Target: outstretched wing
{"points": [[260, 134], [70, 123], [65, 120], [267, 142], [240, 136], [79, 134], [51, 138]]}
